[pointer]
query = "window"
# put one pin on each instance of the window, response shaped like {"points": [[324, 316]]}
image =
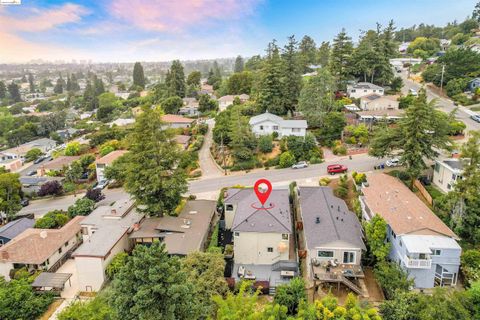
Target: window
{"points": [[422, 256], [454, 177], [66, 244], [365, 90], [261, 127], [237, 234], [436, 252], [229, 207], [275, 128], [374, 90], [59, 250], [349, 257], [296, 129], [449, 186], [284, 236], [269, 249], [437, 167], [400, 243], [325, 254], [353, 90]]}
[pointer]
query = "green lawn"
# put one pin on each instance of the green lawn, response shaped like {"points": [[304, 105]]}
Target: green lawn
{"points": [[434, 192]]}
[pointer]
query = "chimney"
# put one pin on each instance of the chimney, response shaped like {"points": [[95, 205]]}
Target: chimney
{"points": [[114, 211], [136, 226]]}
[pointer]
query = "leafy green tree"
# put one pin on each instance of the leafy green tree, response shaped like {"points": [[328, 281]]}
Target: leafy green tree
{"points": [[376, 235], [31, 82], [292, 73], [153, 286], [239, 83], [205, 271], [10, 194], [33, 154], [19, 301], [3, 90], [291, 294], [108, 103], [52, 220], [419, 134], [50, 188], [205, 103], [392, 278], [215, 76], [332, 126], [287, 159], [117, 263], [470, 264], [82, 207], [194, 78], [72, 148], [270, 91], [265, 144], [396, 84], [152, 175], [341, 58], [14, 92], [254, 63], [239, 64], [172, 104], [429, 45], [175, 80], [93, 309], [317, 98], [138, 76], [243, 141], [456, 86]]}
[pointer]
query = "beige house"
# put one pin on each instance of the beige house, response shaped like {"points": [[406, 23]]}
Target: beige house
{"points": [[105, 161], [105, 234], [226, 101], [376, 102], [56, 164], [40, 249], [362, 89], [174, 121], [446, 173]]}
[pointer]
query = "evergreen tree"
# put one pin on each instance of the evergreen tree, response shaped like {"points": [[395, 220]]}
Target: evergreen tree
{"points": [[14, 92], [308, 53], [194, 78], [366, 57], [175, 80], [74, 83], [215, 76], [254, 63], [239, 64], [99, 87], [153, 176], [3, 90], [69, 83], [58, 89], [31, 82], [138, 76], [323, 54], [90, 100], [270, 90], [419, 135], [292, 77], [340, 59]]}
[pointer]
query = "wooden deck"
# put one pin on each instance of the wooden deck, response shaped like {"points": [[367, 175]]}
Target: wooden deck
{"points": [[340, 275]]}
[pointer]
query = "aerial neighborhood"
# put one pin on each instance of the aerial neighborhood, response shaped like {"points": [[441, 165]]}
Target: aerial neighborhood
{"points": [[332, 176]]}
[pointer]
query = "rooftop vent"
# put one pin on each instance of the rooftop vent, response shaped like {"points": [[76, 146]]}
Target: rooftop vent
{"points": [[317, 220], [193, 212]]}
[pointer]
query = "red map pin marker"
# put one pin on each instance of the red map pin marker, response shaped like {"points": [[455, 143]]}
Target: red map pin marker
{"points": [[262, 195]]}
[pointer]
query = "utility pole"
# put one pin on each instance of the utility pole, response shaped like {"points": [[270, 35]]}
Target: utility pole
{"points": [[441, 79]]}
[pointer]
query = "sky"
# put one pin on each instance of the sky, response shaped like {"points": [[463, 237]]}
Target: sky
{"points": [[163, 30]]}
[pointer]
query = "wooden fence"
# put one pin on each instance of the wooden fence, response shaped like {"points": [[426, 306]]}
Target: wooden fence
{"points": [[423, 191]]}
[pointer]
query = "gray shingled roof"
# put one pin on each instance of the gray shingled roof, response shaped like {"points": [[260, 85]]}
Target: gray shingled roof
{"points": [[365, 85], [337, 227], [454, 164], [279, 120], [276, 219], [14, 228]]}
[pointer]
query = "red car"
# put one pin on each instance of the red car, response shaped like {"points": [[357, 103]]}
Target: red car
{"points": [[336, 168]]}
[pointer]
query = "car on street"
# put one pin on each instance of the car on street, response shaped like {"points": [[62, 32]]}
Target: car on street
{"points": [[24, 202], [38, 160], [394, 162], [300, 165], [101, 184], [475, 117], [413, 92], [31, 173], [336, 168]]}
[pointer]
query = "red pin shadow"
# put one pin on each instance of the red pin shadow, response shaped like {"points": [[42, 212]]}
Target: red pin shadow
{"points": [[262, 196]]}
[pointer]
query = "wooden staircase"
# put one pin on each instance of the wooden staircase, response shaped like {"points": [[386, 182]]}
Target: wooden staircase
{"points": [[341, 279]]}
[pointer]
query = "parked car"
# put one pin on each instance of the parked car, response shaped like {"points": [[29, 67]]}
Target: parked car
{"points": [[476, 117], [24, 202], [101, 184], [38, 160], [394, 162], [413, 92], [300, 165], [31, 173], [336, 168], [425, 180]]}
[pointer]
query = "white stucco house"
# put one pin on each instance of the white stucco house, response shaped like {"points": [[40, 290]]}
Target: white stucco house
{"points": [[267, 123], [446, 173], [361, 89], [105, 233], [376, 102]]}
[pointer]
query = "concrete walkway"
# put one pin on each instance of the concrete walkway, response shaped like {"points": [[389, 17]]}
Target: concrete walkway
{"points": [[71, 289], [208, 166]]}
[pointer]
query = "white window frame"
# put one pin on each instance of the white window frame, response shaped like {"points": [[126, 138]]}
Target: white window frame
{"points": [[354, 257], [270, 249], [318, 254], [284, 236]]}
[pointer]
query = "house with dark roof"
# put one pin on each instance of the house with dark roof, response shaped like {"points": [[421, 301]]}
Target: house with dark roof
{"points": [[446, 173], [421, 243], [14, 228], [332, 234], [263, 236]]}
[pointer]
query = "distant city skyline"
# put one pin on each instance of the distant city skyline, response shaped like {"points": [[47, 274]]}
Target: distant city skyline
{"points": [[156, 30]]}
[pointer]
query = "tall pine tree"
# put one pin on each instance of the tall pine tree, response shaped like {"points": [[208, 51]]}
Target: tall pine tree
{"points": [[31, 82], [340, 59], [3, 90], [14, 92], [138, 76], [292, 75], [175, 80], [308, 53], [238, 64], [270, 90]]}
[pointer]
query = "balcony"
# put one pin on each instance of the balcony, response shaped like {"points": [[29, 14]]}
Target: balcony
{"points": [[418, 263]]}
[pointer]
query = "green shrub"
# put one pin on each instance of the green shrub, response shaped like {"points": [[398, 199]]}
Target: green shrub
{"points": [[339, 150], [72, 148], [273, 162], [245, 165], [52, 220], [286, 160], [341, 192], [33, 154], [324, 182], [116, 264], [265, 144], [315, 160], [471, 265]]}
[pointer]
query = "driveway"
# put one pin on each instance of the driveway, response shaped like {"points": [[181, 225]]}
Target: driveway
{"points": [[208, 166], [40, 207]]}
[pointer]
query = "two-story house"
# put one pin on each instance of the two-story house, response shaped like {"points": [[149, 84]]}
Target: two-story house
{"points": [[361, 89], [446, 173], [267, 123], [263, 238], [332, 235], [421, 243], [105, 161]]}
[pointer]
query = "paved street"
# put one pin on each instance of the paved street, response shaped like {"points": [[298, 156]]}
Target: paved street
{"points": [[444, 104], [358, 163], [207, 164], [42, 206]]}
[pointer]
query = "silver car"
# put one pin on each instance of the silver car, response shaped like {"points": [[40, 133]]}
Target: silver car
{"points": [[300, 165]]}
